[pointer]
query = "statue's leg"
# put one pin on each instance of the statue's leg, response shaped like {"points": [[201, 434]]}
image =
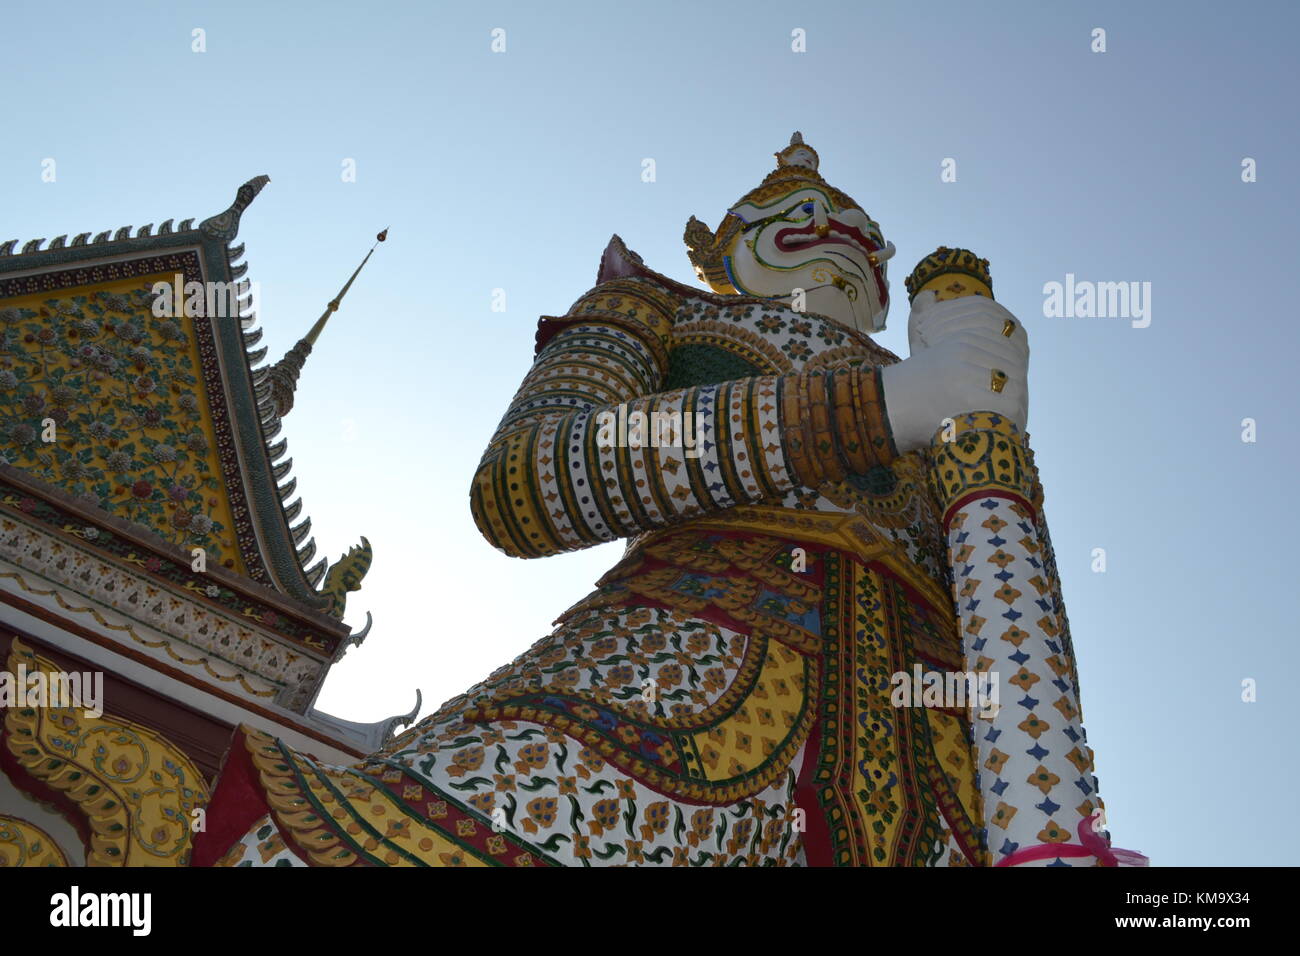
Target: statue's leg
{"points": [[630, 736], [889, 779]]}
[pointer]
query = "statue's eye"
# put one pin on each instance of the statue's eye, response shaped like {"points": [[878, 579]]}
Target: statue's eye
{"points": [[808, 208]]}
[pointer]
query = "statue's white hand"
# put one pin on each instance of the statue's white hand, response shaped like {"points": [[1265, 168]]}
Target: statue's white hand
{"points": [[956, 344]]}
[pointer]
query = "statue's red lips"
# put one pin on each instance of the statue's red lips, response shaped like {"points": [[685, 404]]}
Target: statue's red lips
{"points": [[793, 238], [790, 240]]}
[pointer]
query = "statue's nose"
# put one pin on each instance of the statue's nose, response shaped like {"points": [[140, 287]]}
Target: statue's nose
{"points": [[821, 223]]}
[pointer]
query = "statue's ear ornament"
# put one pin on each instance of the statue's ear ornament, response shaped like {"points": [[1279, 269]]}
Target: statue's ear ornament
{"points": [[708, 250], [699, 238]]}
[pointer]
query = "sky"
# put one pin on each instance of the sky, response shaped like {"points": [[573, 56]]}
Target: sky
{"points": [[510, 170]]}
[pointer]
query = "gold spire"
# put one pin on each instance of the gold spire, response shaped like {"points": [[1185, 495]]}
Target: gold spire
{"points": [[283, 375]]}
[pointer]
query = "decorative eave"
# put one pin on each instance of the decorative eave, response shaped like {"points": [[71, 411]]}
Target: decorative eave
{"points": [[278, 629], [276, 552], [267, 618]]}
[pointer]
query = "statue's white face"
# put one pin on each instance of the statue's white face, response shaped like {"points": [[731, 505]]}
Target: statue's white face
{"points": [[802, 240]]}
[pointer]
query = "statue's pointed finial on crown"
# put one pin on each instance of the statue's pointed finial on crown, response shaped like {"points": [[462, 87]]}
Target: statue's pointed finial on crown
{"points": [[798, 153]]}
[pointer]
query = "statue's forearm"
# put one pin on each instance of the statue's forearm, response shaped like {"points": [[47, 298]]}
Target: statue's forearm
{"points": [[566, 481], [576, 479]]}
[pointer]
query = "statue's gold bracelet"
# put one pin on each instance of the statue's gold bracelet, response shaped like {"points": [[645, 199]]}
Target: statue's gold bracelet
{"points": [[796, 437]]}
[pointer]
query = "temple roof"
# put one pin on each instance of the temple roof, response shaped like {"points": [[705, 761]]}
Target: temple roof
{"points": [[157, 409]]}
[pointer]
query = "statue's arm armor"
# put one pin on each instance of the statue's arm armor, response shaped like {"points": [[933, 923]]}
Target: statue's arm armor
{"points": [[553, 479]]}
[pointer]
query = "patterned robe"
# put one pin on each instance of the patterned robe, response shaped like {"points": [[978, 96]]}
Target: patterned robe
{"points": [[723, 697]]}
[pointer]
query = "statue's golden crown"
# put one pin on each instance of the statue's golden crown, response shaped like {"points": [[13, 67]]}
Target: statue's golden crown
{"points": [[796, 165]]}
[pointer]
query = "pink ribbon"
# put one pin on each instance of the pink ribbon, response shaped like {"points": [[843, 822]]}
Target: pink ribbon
{"points": [[1091, 843]]}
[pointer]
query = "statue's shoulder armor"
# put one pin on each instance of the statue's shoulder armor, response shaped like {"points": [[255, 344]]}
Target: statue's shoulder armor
{"points": [[699, 337], [636, 304]]}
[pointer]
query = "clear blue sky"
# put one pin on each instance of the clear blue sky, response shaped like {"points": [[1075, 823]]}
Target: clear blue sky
{"points": [[511, 170]]}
